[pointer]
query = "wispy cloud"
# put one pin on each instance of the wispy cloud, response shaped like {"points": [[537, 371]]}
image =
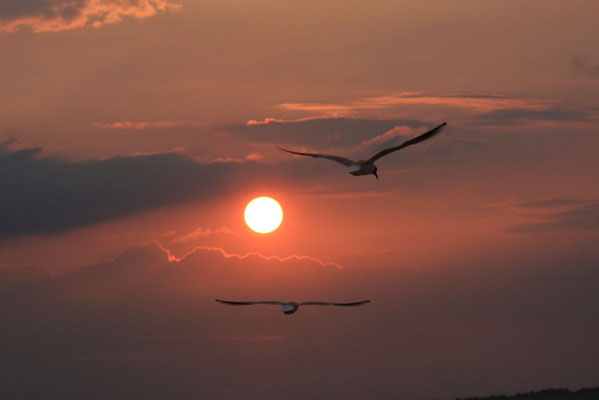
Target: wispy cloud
{"points": [[551, 202], [584, 217], [582, 65], [481, 103], [202, 233], [483, 109], [557, 214], [270, 120], [60, 15], [142, 125], [253, 156], [513, 116], [402, 131], [326, 132]]}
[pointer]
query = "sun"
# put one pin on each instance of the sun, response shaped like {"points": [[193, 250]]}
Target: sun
{"points": [[263, 214]]}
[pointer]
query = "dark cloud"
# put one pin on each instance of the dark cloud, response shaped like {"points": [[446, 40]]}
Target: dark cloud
{"points": [[13, 280], [514, 116], [43, 194], [583, 217], [15, 9], [58, 15], [146, 327]]}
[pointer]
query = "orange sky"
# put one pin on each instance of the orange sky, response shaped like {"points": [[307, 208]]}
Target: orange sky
{"points": [[154, 123]]}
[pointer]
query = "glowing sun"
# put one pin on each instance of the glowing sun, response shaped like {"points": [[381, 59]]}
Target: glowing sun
{"points": [[263, 214]]}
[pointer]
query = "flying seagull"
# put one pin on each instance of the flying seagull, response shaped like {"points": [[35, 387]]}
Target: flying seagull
{"points": [[290, 307], [367, 167]]}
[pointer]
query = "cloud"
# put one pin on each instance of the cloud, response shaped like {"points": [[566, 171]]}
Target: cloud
{"points": [[44, 194], [551, 202], [582, 66], [202, 233], [146, 324], [251, 157], [270, 120], [325, 132], [60, 15], [144, 125], [251, 255], [577, 215], [478, 108], [13, 280], [394, 102], [390, 135], [513, 116]]}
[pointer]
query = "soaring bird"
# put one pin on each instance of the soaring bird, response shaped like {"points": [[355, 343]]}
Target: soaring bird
{"points": [[367, 167], [290, 307]]}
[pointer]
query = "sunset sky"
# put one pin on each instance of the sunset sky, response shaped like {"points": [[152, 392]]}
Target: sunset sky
{"points": [[134, 132]]}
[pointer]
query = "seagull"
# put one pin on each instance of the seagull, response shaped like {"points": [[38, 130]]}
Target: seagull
{"points": [[290, 307], [367, 167]]}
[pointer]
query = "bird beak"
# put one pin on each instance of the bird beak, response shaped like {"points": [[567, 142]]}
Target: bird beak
{"points": [[377, 177]]}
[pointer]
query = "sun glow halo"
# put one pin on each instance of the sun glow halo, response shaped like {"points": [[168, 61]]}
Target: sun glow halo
{"points": [[263, 214]]}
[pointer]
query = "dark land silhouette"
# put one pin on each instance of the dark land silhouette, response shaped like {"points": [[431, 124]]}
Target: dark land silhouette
{"points": [[547, 394]]}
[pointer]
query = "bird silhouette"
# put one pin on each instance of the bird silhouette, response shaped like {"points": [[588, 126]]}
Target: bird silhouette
{"points": [[290, 307], [367, 167]]}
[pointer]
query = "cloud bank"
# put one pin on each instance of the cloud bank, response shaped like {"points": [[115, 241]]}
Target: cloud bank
{"points": [[146, 325], [44, 194]]}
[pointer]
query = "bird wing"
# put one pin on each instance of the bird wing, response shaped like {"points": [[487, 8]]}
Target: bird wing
{"points": [[249, 303], [417, 139], [322, 303], [341, 160]]}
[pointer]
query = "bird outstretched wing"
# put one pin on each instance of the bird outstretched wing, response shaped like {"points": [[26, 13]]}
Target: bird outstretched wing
{"points": [[417, 139], [322, 303], [341, 160], [249, 303]]}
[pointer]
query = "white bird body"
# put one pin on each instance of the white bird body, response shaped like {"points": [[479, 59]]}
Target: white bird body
{"points": [[362, 167], [367, 167], [290, 307]]}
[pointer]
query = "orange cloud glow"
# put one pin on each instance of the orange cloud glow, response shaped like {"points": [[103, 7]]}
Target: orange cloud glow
{"points": [[254, 156], [293, 257], [480, 103], [67, 15], [270, 120]]}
